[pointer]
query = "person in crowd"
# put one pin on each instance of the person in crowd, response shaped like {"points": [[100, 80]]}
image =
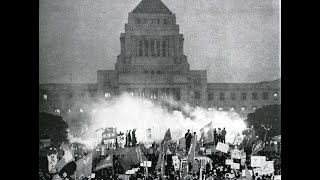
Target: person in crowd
{"points": [[219, 134], [129, 139], [134, 140], [223, 135], [215, 137], [188, 137]]}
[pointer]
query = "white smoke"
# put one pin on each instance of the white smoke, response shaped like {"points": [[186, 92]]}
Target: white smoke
{"points": [[129, 112]]}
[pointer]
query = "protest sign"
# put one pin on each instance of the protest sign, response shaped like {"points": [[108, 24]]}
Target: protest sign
{"points": [[244, 172], [52, 161], [267, 167], [277, 177], [229, 161], [93, 175], [257, 170], [235, 154], [257, 161], [222, 147], [208, 151], [130, 171], [235, 166]]}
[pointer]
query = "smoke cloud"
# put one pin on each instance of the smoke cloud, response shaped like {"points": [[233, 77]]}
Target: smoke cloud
{"points": [[127, 112]]}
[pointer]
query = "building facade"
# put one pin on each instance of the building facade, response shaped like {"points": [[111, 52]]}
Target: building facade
{"points": [[152, 65]]}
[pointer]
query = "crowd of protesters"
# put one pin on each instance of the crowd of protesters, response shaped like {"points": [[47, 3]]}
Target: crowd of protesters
{"points": [[215, 170]]}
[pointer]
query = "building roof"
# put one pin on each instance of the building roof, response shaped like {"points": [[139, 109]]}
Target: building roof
{"points": [[152, 7]]}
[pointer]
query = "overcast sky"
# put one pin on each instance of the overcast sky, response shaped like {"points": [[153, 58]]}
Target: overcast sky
{"points": [[234, 40]]}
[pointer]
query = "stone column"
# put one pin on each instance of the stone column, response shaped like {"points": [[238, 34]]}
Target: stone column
{"points": [[160, 47], [143, 47]]}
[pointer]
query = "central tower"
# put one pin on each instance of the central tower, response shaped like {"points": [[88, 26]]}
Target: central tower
{"points": [[151, 42], [151, 63]]}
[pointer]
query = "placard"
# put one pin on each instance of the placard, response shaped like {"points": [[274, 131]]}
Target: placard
{"points": [[130, 172], [244, 172], [222, 147], [267, 167], [257, 170], [93, 175], [257, 161], [235, 166], [277, 177], [243, 155], [229, 161], [208, 151], [235, 154]]}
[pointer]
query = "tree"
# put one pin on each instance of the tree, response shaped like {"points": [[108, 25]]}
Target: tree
{"points": [[266, 119], [52, 127]]}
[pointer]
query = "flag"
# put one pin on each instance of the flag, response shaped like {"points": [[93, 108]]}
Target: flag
{"points": [[132, 156], [108, 162], [167, 136], [68, 169], [109, 133], [257, 147], [182, 143], [67, 157], [84, 166], [248, 174], [207, 133], [192, 150]]}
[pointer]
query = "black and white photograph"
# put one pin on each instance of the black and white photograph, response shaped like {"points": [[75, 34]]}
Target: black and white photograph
{"points": [[159, 89]]}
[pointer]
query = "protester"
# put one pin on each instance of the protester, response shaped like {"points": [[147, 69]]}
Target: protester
{"points": [[219, 135], [215, 136], [188, 137], [134, 140], [223, 135], [129, 139]]}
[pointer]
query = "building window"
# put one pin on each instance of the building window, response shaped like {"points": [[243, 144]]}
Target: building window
{"points": [[146, 71], [57, 111], [243, 96], [45, 97], [107, 95], [233, 96], [158, 72], [254, 96], [158, 21], [265, 96], [165, 21], [152, 72], [276, 96], [81, 110], [197, 95], [221, 96], [146, 44], [210, 96], [243, 108], [254, 108], [152, 21], [164, 48], [138, 21]]}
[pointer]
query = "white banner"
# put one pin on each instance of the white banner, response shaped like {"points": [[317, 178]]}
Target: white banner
{"points": [[235, 154], [257, 161], [52, 161], [208, 151], [235, 166], [229, 161], [176, 162], [222, 147]]}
